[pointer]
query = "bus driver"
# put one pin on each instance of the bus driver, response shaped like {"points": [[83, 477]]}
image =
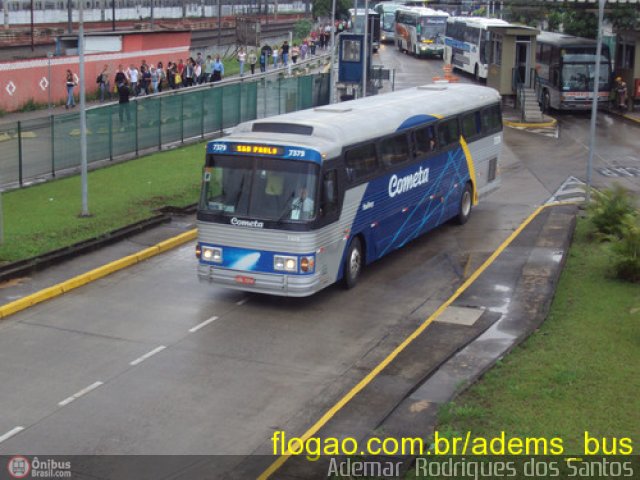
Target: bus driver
{"points": [[302, 205]]}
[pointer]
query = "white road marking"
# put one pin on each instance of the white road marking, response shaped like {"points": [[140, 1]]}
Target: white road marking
{"points": [[11, 433], [243, 301], [203, 324], [77, 395], [147, 355]]}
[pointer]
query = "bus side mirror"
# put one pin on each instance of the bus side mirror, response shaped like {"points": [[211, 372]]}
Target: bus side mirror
{"points": [[328, 192]]}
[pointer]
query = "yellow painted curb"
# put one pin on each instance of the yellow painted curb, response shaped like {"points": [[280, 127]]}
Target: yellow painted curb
{"points": [[95, 274], [633, 119], [509, 123]]}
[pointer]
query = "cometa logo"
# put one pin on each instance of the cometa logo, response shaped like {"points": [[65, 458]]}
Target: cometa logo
{"points": [[398, 185], [247, 223]]}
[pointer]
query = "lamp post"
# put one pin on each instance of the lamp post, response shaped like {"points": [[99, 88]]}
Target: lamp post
{"points": [[333, 49], [365, 60], [594, 103], [83, 118], [49, 56]]}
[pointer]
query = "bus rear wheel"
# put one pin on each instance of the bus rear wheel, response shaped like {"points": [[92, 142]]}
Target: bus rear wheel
{"points": [[476, 73], [353, 263], [464, 210]]}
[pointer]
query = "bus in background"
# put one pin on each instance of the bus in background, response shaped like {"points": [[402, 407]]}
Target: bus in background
{"points": [[420, 31], [356, 23], [566, 70], [466, 44], [294, 203], [387, 12]]}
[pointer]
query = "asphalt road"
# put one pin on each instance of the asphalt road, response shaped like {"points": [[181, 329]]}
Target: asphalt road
{"points": [[148, 361]]}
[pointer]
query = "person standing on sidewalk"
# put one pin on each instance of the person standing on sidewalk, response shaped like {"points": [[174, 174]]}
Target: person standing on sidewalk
{"points": [[123, 104], [70, 83], [218, 70], [103, 81], [253, 58], [242, 58]]}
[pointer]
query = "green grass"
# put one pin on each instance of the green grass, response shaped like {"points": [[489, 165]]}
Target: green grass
{"points": [[46, 217], [579, 372]]}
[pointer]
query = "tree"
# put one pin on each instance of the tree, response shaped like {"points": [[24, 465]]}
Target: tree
{"points": [[322, 8]]}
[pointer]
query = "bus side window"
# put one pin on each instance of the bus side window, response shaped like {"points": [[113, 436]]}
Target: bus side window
{"points": [[361, 161], [329, 203], [394, 150], [425, 141], [470, 125], [448, 133]]}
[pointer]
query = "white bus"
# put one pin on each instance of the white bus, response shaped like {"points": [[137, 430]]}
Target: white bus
{"points": [[467, 43], [387, 13], [420, 31], [293, 203]]}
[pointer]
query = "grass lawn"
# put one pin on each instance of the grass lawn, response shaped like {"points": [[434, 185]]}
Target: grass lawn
{"points": [[579, 372], [45, 217]]}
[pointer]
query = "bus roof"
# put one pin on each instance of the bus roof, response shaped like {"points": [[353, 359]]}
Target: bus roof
{"points": [[388, 7], [336, 126], [564, 40], [425, 11], [479, 22]]}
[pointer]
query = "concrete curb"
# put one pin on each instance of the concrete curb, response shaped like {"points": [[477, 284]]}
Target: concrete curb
{"points": [[95, 274], [512, 124]]}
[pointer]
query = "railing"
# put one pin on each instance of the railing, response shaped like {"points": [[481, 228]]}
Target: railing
{"points": [[44, 147]]}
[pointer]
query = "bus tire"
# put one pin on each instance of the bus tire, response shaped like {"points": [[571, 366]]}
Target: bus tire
{"points": [[353, 263], [466, 204], [476, 73]]}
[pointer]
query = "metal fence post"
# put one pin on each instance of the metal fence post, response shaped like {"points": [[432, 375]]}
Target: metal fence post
{"points": [[111, 109], [279, 93], [136, 122], [182, 118], [20, 153], [202, 114], [53, 147], [159, 123], [240, 102]]}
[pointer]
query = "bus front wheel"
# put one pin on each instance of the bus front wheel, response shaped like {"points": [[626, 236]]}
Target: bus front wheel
{"points": [[476, 73], [353, 263], [464, 210]]}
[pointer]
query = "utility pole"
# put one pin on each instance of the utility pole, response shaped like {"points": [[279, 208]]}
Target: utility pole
{"points": [[366, 49], [594, 104], [219, 22], [83, 119], [332, 74], [5, 10], [32, 28], [151, 13], [69, 17]]}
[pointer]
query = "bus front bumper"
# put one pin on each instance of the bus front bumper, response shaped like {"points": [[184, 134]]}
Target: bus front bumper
{"points": [[269, 283]]}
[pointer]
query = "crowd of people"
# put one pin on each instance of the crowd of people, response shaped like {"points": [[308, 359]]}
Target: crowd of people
{"points": [[149, 78]]}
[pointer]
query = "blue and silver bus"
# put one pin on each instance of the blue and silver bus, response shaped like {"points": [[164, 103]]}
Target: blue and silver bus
{"points": [[293, 203]]}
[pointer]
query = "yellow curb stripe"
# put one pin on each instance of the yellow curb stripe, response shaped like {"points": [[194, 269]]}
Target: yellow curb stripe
{"points": [[509, 123], [633, 119], [95, 274], [384, 363]]}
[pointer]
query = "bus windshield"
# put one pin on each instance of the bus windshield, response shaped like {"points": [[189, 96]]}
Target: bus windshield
{"points": [[579, 77], [388, 21], [265, 188], [432, 27]]}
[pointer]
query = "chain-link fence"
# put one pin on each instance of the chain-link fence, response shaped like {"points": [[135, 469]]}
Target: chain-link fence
{"points": [[43, 147]]}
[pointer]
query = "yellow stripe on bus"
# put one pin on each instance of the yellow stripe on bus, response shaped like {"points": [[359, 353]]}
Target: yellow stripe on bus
{"points": [[472, 170]]}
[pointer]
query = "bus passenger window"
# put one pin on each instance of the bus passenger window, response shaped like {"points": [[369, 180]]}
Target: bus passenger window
{"points": [[394, 150], [361, 161], [470, 125], [491, 119], [448, 133], [425, 141]]}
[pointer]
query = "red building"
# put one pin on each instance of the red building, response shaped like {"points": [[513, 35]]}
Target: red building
{"points": [[42, 79]]}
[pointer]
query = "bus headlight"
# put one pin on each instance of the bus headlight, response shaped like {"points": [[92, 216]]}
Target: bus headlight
{"points": [[212, 254], [285, 264], [307, 264]]}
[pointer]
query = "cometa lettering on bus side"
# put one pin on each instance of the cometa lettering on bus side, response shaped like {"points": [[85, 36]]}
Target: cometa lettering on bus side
{"points": [[408, 182], [247, 223]]}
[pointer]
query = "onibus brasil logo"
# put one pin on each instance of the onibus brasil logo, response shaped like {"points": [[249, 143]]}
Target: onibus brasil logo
{"points": [[19, 466]]}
